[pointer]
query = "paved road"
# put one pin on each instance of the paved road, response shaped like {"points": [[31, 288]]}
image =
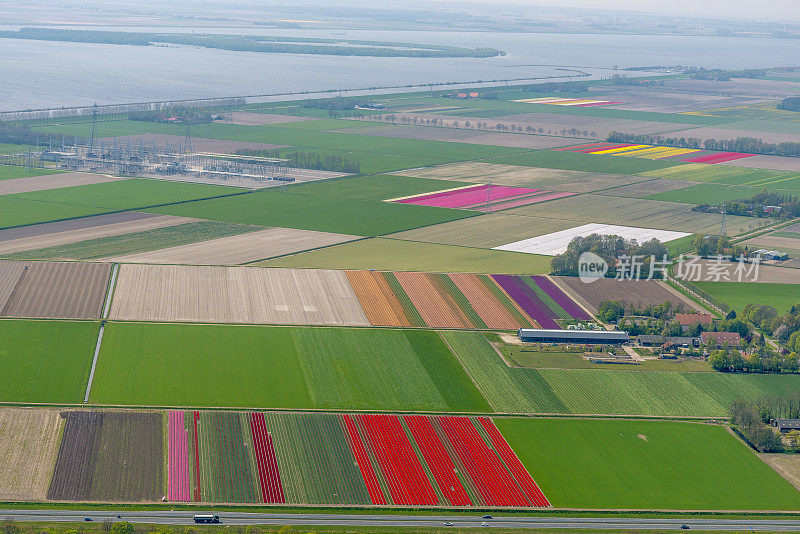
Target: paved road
{"points": [[240, 518]]}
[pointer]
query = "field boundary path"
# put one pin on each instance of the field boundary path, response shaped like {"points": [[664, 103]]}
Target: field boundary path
{"points": [[94, 362], [110, 291]]}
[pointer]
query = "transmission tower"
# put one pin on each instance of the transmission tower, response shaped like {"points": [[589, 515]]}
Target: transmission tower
{"points": [[187, 142], [488, 197], [94, 126], [723, 230]]}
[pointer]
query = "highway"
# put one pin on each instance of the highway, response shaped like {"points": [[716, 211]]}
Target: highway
{"points": [[241, 518]]}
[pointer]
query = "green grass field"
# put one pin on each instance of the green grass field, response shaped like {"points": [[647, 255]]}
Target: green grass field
{"points": [[607, 391], [724, 174], [274, 367], [311, 212], [574, 161], [737, 295], [398, 255], [375, 187], [9, 172], [522, 357], [376, 154], [55, 204], [709, 193], [645, 464], [117, 245], [45, 361]]}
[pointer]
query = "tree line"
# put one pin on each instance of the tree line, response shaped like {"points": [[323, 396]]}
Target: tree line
{"points": [[790, 104], [611, 248], [748, 145], [752, 419], [309, 160]]}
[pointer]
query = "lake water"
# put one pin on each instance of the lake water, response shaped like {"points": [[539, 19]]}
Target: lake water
{"points": [[39, 74]]}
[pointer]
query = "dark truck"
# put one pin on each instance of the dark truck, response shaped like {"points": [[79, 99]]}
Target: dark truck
{"points": [[206, 518]]}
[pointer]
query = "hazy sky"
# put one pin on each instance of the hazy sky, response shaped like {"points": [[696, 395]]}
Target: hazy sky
{"points": [[772, 9]]}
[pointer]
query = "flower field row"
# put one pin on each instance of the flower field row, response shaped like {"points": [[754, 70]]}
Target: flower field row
{"points": [[541, 299], [436, 300], [365, 459], [689, 155], [481, 196]]}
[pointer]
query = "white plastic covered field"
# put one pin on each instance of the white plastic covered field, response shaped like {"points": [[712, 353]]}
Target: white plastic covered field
{"points": [[556, 243]]}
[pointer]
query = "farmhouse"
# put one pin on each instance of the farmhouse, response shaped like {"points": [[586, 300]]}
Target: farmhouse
{"points": [[720, 338], [768, 255], [593, 337], [787, 425], [688, 320]]}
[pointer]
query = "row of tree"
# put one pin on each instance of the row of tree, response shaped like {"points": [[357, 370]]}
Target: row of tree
{"points": [[748, 145], [790, 104], [612, 249], [758, 360], [185, 114], [751, 424], [309, 160]]}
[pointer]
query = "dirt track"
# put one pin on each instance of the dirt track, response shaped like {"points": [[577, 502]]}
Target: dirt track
{"points": [[236, 295], [240, 249], [59, 290], [28, 447]]}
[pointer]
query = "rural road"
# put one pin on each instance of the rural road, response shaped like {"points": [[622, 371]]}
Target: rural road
{"points": [[239, 518]]}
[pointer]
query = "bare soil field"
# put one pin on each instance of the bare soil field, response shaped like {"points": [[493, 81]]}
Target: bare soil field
{"points": [[553, 123], [767, 274], [10, 273], [59, 290], [437, 308], [788, 244], [643, 100], [736, 85], [517, 176], [73, 231], [593, 208], [238, 249], [130, 458], [28, 449], [487, 231], [786, 465], [639, 293], [650, 187], [72, 478], [377, 299], [216, 146], [235, 295], [777, 163], [462, 135], [247, 118], [53, 181]]}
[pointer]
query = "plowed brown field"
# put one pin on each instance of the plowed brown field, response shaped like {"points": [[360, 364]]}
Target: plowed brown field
{"points": [[130, 458], [377, 299], [77, 455], [639, 293], [493, 313], [10, 272], [53, 181], [28, 447], [436, 307], [59, 290], [236, 295]]}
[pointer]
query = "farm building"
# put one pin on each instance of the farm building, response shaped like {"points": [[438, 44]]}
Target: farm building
{"points": [[688, 320], [765, 254], [591, 337], [720, 338], [787, 425]]}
